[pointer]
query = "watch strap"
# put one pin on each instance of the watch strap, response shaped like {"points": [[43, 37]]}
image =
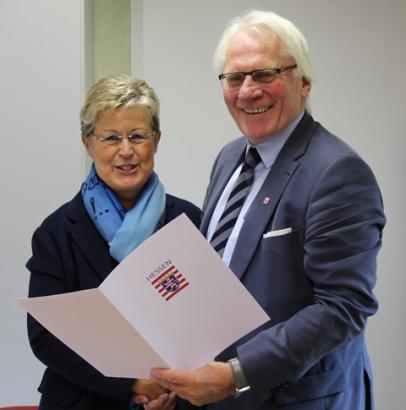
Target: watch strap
{"points": [[240, 381]]}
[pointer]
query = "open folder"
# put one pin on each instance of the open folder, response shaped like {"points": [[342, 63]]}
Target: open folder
{"points": [[171, 303]]}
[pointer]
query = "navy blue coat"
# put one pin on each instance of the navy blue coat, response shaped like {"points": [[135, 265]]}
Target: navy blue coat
{"points": [[315, 282], [69, 255]]}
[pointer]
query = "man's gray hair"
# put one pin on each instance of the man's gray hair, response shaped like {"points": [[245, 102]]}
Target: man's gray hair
{"points": [[295, 44]]}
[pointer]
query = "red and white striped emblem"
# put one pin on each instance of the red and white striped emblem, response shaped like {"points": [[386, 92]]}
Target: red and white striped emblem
{"points": [[170, 282]]}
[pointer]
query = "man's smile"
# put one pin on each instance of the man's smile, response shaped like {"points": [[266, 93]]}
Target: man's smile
{"points": [[256, 110]]}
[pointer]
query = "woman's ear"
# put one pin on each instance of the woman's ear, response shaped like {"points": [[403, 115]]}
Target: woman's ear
{"points": [[86, 144], [157, 137]]}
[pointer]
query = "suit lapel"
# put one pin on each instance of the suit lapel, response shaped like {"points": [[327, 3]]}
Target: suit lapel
{"points": [[267, 199], [88, 239]]}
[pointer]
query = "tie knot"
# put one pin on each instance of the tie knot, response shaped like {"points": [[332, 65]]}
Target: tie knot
{"points": [[252, 158]]}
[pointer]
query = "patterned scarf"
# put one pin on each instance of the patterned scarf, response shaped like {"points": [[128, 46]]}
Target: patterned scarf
{"points": [[123, 230]]}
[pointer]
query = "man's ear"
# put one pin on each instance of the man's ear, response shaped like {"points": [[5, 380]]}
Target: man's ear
{"points": [[306, 87]]}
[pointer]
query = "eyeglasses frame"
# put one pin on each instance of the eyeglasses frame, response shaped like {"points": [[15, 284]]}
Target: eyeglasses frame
{"points": [[104, 142], [276, 70]]}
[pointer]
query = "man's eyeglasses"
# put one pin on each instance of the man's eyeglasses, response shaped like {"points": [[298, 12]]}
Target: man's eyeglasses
{"points": [[135, 138], [263, 76]]}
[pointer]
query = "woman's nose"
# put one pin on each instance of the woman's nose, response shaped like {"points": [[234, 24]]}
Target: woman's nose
{"points": [[126, 147]]}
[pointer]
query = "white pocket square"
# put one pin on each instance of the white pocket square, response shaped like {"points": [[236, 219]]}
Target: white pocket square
{"points": [[279, 232]]}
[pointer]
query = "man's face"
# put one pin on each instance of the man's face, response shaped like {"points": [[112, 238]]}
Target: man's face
{"points": [[261, 110]]}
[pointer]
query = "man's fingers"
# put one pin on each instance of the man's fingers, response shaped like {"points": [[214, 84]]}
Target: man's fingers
{"points": [[163, 402], [140, 399]]}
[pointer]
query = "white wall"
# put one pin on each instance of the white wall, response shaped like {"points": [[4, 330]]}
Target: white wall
{"points": [[41, 76], [359, 55]]}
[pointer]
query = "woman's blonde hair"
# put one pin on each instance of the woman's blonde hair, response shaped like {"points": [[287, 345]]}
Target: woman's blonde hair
{"points": [[118, 91]]}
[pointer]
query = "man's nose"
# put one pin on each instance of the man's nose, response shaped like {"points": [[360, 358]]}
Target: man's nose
{"points": [[249, 88]]}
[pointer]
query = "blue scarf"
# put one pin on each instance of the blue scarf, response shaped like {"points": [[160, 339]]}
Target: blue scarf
{"points": [[123, 230]]}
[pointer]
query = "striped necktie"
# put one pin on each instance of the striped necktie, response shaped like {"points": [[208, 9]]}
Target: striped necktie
{"points": [[235, 202]]}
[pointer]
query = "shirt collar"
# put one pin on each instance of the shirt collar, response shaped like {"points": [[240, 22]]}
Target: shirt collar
{"points": [[270, 149]]}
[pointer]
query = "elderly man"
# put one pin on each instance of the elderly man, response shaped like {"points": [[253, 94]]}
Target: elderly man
{"points": [[298, 217]]}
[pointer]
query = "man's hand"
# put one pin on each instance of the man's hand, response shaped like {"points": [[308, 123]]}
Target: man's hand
{"points": [[211, 382], [163, 402]]}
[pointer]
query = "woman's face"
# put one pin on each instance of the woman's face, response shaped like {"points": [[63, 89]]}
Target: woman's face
{"points": [[124, 166]]}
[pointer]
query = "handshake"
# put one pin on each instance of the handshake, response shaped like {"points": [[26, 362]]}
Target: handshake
{"points": [[211, 382]]}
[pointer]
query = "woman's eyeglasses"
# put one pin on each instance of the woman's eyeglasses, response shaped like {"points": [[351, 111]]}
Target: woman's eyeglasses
{"points": [[137, 137]]}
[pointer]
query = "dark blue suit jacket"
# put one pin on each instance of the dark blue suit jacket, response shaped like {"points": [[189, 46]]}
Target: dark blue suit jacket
{"points": [[69, 254], [315, 282]]}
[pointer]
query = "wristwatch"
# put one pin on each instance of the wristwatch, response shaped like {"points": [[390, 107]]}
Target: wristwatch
{"points": [[240, 382]]}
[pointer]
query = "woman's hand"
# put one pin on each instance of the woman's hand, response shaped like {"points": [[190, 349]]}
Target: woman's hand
{"points": [[148, 388]]}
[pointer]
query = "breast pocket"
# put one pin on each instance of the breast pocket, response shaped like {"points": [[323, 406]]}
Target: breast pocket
{"points": [[280, 251]]}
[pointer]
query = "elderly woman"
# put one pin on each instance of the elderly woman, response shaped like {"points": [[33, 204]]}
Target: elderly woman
{"points": [[121, 203]]}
